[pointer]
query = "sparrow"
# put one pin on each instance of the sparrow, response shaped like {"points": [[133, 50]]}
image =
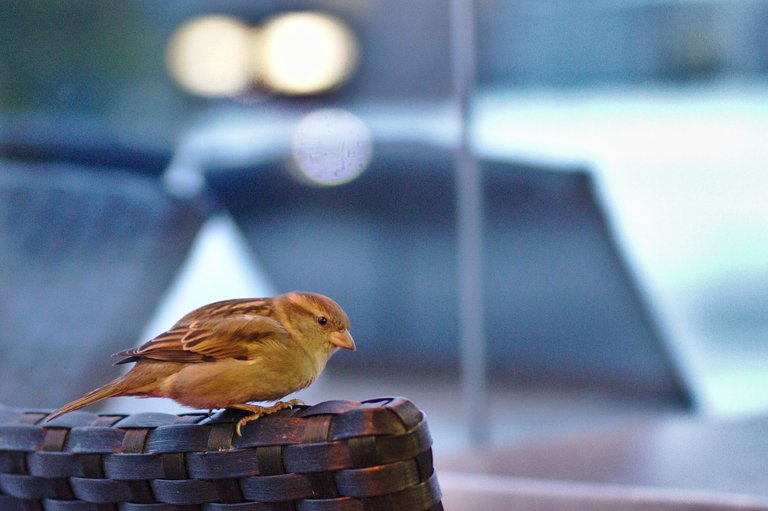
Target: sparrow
{"points": [[229, 353]]}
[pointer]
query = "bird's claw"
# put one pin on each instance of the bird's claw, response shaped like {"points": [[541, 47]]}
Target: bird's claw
{"points": [[260, 411], [245, 420]]}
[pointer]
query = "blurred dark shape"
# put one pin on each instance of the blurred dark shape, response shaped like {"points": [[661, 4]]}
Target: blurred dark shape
{"points": [[72, 139], [87, 252], [561, 306]]}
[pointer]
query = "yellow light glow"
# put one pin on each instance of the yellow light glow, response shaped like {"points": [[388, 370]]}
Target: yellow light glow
{"points": [[211, 55], [331, 147], [305, 53]]}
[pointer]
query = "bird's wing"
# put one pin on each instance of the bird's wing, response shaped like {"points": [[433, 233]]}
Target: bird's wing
{"points": [[209, 339], [227, 309]]}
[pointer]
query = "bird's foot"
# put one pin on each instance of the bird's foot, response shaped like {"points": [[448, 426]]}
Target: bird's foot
{"points": [[260, 411]]}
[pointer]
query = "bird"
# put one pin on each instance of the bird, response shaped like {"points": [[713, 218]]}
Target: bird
{"points": [[230, 353]]}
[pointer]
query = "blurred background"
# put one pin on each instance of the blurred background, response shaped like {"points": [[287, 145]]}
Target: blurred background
{"points": [[157, 156]]}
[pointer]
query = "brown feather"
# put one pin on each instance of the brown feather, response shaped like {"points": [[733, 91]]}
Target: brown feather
{"points": [[138, 382], [103, 392], [224, 308], [219, 335]]}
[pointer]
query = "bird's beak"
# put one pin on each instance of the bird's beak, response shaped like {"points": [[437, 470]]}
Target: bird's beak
{"points": [[343, 339]]}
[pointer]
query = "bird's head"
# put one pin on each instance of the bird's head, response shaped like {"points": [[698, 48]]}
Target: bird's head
{"points": [[316, 319]]}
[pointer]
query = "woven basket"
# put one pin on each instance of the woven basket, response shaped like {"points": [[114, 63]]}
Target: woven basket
{"points": [[337, 455]]}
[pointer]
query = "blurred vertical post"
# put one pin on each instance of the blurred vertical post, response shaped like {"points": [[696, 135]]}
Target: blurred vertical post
{"points": [[469, 227]]}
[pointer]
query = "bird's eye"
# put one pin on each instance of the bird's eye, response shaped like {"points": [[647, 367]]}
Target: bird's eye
{"points": [[322, 320]]}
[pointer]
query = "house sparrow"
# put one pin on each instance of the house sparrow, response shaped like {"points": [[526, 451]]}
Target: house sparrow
{"points": [[228, 353]]}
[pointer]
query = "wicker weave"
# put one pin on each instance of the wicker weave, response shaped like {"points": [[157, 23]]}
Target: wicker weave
{"points": [[337, 455]]}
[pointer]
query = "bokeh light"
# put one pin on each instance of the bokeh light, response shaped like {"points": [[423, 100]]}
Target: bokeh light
{"points": [[305, 53], [211, 55], [331, 147]]}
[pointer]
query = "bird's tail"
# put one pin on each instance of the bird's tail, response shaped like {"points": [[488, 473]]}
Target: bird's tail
{"points": [[111, 389]]}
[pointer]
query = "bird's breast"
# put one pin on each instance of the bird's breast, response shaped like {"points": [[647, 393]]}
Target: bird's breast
{"points": [[228, 381]]}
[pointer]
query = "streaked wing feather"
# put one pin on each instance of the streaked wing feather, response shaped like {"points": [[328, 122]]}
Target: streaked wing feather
{"points": [[227, 308], [166, 346], [233, 337], [212, 338]]}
